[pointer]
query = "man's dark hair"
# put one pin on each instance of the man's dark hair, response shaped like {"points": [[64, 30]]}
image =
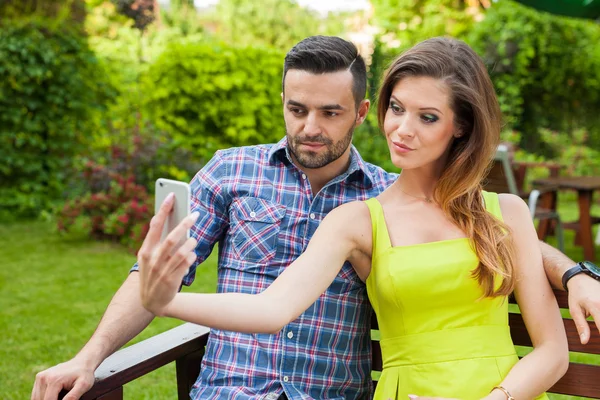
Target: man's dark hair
{"points": [[323, 54]]}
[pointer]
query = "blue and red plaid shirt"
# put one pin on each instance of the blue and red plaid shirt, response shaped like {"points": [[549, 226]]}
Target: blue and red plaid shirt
{"points": [[260, 208]]}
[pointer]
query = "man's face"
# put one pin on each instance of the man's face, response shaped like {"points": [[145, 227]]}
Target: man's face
{"points": [[320, 116]]}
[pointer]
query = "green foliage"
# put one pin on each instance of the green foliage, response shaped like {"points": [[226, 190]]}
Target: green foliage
{"points": [[114, 201], [128, 54], [182, 17], [371, 143], [119, 212], [51, 85], [278, 24], [546, 70], [407, 22], [58, 12], [210, 96], [571, 152]]}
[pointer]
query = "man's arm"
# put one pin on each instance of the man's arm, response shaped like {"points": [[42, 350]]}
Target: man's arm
{"points": [[584, 291], [123, 319], [555, 264]]}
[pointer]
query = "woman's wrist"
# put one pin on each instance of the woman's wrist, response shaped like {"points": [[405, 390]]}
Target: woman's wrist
{"points": [[170, 309], [499, 393]]}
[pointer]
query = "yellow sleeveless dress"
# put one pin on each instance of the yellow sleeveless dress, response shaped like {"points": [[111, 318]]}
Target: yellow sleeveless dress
{"points": [[437, 338]]}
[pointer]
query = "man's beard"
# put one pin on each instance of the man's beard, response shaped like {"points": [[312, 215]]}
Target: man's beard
{"points": [[313, 160]]}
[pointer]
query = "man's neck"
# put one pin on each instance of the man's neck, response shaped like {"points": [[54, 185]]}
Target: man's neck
{"points": [[319, 177]]}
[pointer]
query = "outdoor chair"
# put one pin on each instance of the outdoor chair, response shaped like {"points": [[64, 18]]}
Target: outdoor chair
{"points": [[185, 345], [541, 200]]}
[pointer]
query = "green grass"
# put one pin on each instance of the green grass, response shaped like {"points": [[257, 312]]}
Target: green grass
{"points": [[54, 289]]}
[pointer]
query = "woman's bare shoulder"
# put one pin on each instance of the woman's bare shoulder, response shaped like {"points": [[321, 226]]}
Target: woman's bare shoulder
{"points": [[515, 212]]}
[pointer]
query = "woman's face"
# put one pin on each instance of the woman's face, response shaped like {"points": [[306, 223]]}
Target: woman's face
{"points": [[419, 124]]}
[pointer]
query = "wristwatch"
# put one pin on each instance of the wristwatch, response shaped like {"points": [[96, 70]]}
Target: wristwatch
{"points": [[586, 267]]}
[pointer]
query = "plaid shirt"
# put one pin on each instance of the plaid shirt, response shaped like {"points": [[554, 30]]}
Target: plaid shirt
{"points": [[260, 208]]}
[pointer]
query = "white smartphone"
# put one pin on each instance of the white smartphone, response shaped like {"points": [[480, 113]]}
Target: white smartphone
{"points": [[181, 207]]}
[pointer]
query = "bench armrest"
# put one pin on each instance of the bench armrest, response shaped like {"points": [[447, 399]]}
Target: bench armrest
{"points": [[146, 356]]}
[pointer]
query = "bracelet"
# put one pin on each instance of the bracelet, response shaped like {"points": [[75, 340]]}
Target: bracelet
{"points": [[506, 392]]}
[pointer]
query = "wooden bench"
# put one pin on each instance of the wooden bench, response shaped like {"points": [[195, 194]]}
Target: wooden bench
{"points": [[185, 345]]}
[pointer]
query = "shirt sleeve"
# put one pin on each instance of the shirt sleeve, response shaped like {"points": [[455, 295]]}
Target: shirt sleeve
{"points": [[209, 199]]}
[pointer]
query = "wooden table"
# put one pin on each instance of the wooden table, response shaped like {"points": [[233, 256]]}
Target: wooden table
{"points": [[520, 170], [585, 187]]}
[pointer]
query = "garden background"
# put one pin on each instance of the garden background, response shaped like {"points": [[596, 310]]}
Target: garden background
{"points": [[99, 98]]}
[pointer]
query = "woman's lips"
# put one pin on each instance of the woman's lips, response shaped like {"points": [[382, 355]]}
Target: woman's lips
{"points": [[402, 148]]}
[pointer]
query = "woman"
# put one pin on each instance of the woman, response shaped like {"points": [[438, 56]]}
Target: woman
{"points": [[439, 255]]}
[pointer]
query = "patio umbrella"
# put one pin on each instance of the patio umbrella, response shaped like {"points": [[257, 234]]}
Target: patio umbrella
{"points": [[571, 8]]}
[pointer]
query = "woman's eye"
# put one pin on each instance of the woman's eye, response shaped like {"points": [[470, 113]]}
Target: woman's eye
{"points": [[395, 108], [429, 118]]}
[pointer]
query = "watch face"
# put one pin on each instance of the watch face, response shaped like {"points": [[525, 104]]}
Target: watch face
{"points": [[593, 268]]}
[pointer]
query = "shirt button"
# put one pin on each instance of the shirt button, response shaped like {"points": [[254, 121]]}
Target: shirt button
{"points": [[290, 335], [252, 214], [312, 216], [286, 379], [303, 176]]}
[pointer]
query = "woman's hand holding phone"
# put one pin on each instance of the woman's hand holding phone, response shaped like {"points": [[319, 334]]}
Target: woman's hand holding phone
{"points": [[162, 265]]}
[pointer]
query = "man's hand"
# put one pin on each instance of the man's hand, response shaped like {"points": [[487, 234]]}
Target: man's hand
{"points": [[73, 375], [584, 301], [162, 266]]}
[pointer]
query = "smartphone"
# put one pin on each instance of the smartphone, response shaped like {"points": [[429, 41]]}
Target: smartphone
{"points": [[181, 207]]}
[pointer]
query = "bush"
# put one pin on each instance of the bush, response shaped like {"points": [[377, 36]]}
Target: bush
{"points": [[115, 203], [211, 96], [570, 151], [51, 85], [546, 70], [120, 213]]}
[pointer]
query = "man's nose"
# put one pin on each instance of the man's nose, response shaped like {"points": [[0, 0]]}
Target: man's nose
{"points": [[312, 126]]}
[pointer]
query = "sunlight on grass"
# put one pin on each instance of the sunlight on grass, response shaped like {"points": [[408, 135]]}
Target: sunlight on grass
{"points": [[54, 291]]}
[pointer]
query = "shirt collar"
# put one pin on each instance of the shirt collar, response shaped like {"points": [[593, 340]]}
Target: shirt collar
{"points": [[357, 169]]}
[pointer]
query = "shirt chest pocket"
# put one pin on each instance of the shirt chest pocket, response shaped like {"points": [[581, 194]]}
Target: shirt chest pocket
{"points": [[255, 226]]}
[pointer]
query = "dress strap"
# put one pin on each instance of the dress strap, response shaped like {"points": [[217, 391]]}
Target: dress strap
{"points": [[381, 237], [492, 204]]}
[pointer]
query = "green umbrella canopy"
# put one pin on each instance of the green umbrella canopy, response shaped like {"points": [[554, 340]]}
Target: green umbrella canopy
{"points": [[570, 8]]}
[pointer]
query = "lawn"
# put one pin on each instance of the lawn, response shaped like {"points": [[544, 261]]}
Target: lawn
{"points": [[53, 291]]}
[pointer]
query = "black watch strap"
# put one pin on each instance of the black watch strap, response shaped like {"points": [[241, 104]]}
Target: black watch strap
{"points": [[571, 272]]}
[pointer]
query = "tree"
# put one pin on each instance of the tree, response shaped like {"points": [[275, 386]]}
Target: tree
{"points": [[274, 23], [406, 22], [58, 10], [142, 12]]}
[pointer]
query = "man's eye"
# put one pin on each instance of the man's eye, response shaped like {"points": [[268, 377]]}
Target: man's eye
{"points": [[296, 110], [331, 113]]}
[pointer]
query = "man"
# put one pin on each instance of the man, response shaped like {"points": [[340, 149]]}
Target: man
{"points": [[263, 204]]}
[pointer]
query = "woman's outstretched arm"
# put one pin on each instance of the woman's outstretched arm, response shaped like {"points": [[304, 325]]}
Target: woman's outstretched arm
{"points": [[549, 360], [340, 237]]}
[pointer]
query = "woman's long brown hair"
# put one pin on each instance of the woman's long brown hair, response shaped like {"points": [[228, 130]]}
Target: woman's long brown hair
{"points": [[477, 117]]}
